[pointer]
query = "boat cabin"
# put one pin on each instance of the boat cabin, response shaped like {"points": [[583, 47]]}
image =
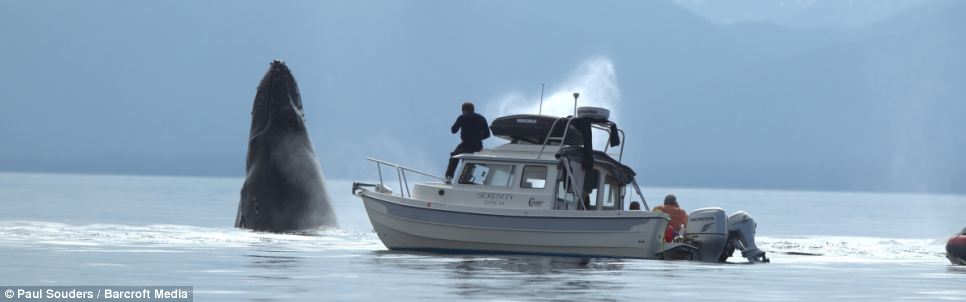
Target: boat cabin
{"points": [[548, 164]]}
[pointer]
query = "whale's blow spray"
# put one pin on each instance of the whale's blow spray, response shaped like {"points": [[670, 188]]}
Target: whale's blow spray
{"points": [[595, 80]]}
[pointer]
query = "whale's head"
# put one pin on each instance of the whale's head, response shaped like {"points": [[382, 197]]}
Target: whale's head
{"points": [[277, 102], [277, 118]]}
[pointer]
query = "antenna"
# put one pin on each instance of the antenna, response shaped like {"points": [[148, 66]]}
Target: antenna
{"points": [[576, 95], [541, 100]]}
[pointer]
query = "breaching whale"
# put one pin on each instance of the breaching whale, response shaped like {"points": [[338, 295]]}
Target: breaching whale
{"points": [[284, 189]]}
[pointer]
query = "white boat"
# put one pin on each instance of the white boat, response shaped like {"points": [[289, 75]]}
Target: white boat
{"points": [[520, 197]]}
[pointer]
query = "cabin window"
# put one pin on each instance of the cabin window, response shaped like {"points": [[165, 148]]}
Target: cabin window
{"points": [[591, 200], [565, 196], [611, 194], [591, 183], [566, 200], [486, 174], [534, 177]]}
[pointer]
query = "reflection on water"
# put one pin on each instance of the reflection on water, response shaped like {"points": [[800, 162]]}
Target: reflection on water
{"points": [[537, 277], [276, 272], [531, 277], [535, 264], [273, 266], [528, 277]]}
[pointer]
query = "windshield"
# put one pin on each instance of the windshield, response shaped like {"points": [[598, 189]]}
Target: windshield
{"points": [[486, 174]]}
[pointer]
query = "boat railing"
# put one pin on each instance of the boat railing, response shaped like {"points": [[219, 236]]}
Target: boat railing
{"points": [[570, 173], [563, 138], [620, 156], [573, 184], [550, 135], [637, 189], [400, 174]]}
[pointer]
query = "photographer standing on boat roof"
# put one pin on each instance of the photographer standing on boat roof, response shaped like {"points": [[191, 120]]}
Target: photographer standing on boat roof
{"points": [[473, 130]]}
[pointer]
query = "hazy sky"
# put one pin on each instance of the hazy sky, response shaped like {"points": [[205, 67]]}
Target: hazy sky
{"points": [[800, 13], [843, 95]]}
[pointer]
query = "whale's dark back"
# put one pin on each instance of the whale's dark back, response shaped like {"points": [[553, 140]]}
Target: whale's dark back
{"points": [[284, 188]]}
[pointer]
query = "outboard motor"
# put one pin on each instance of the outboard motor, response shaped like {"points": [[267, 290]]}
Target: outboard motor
{"points": [[707, 230], [741, 235]]}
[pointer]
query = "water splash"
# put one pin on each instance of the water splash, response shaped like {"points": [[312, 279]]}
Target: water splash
{"points": [[170, 238], [851, 249]]}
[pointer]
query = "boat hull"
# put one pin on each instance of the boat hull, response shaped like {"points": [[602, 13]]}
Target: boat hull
{"points": [[406, 224]]}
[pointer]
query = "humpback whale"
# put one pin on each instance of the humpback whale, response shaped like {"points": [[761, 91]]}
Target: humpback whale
{"points": [[284, 189]]}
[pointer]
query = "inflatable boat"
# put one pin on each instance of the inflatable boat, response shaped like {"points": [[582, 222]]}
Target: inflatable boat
{"points": [[956, 248]]}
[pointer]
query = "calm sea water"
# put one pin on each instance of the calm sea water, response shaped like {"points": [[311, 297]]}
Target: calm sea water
{"points": [[58, 229]]}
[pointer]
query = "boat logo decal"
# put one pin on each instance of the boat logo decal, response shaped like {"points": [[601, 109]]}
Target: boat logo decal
{"points": [[535, 203]]}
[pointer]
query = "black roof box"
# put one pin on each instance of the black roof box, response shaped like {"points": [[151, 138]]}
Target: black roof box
{"points": [[533, 129]]}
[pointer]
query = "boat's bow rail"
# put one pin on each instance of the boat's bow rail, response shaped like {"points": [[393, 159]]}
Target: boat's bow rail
{"points": [[400, 174]]}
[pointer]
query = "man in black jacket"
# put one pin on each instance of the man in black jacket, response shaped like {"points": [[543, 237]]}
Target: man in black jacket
{"points": [[473, 130]]}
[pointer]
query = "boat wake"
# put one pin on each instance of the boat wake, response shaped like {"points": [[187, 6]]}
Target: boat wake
{"points": [[852, 249]]}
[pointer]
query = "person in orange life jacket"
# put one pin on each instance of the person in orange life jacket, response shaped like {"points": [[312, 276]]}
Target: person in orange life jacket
{"points": [[678, 216], [473, 130]]}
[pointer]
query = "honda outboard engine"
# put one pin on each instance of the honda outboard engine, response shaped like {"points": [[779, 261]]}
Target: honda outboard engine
{"points": [[716, 237], [707, 230], [741, 235]]}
